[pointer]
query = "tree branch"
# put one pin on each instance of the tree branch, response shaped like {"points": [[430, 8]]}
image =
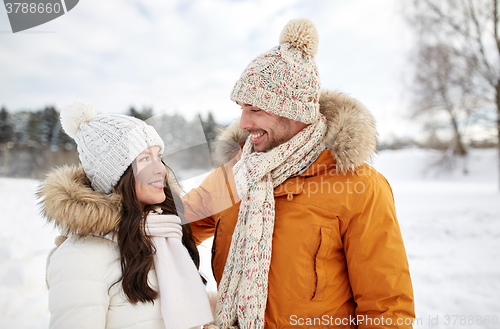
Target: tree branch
{"points": [[490, 75], [447, 18], [495, 23]]}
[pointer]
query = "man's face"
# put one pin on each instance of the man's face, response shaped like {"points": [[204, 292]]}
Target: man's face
{"points": [[267, 130]]}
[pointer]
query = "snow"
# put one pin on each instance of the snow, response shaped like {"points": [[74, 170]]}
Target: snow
{"points": [[451, 228], [450, 224]]}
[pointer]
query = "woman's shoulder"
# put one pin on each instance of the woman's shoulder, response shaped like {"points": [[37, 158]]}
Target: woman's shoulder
{"points": [[89, 257], [90, 245]]}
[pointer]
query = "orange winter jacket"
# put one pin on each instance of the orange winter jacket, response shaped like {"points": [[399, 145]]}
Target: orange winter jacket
{"points": [[338, 258]]}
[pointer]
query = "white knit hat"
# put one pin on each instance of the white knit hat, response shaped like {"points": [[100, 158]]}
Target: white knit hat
{"points": [[107, 143], [285, 80]]}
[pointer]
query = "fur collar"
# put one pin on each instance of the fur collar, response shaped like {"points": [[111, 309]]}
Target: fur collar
{"points": [[351, 136], [68, 201]]}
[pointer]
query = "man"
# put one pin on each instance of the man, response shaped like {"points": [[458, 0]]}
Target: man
{"points": [[305, 232]]}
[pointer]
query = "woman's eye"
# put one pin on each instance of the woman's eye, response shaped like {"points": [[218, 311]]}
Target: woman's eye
{"points": [[144, 159]]}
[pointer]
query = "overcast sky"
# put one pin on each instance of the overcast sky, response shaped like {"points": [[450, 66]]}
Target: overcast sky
{"points": [[185, 55]]}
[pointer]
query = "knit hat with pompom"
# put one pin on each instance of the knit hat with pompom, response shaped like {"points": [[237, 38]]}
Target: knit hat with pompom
{"points": [[285, 80], [107, 143]]}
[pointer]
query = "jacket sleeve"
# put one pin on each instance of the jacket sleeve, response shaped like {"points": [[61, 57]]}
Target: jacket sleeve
{"points": [[201, 205], [78, 292], [197, 215], [376, 259]]}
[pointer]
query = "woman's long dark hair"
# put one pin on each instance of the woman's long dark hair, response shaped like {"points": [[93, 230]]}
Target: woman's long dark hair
{"points": [[136, 249]]}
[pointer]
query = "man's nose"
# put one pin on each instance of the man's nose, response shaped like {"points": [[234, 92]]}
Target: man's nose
{"points": [[245, 120]]}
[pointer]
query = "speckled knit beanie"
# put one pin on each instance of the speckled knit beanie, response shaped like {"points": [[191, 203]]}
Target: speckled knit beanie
{"points": [[285, 80], [107, 143]]}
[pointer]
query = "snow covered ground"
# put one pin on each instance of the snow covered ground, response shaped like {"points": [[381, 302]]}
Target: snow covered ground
{"points": [[451, 228], [450, 224]]}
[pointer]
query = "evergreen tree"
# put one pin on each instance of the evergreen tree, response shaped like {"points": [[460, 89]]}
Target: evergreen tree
{"points": [[6, 130], [33, 131], [210, 127], [144, 114], [50, 125], [42, 127]]}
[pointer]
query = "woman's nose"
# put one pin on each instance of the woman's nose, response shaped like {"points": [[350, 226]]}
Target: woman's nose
{"points": [[158, 167]]}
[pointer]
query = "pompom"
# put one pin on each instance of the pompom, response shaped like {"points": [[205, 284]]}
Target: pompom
{"points": [[74, 115], [301, 33]]}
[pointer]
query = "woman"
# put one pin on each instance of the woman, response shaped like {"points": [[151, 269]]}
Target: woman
{"points": [[127, 262]]}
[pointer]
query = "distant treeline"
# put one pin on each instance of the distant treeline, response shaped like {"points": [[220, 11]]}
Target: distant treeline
{"points": [[33, 142]]}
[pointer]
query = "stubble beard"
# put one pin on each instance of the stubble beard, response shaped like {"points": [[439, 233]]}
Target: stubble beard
{"points": [[284, 136]]}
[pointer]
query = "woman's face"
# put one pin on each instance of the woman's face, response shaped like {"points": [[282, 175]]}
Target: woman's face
{"points": [[149, 174]]}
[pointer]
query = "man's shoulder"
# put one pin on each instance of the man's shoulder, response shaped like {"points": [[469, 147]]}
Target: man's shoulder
{"points": [[326, 166], [364, 179]]}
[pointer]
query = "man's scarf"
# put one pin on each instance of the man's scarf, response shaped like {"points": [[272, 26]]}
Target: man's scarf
{"points": [[243, 289]]}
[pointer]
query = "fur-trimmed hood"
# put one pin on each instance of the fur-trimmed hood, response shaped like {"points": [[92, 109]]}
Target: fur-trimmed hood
{"points": [[68, 201], [351, 135]]}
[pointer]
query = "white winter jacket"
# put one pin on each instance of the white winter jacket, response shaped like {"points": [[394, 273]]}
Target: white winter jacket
{"points": [[82, 270], [80, 275]]}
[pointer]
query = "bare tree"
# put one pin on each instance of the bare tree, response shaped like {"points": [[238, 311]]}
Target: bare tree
{"points": [[457, 60]]}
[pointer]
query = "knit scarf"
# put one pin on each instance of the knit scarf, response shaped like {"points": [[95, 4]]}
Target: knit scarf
{"points": [[183, 299], [243, 289]]}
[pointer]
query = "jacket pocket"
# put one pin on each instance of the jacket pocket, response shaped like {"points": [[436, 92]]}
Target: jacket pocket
{"points": [[310, 269]]}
